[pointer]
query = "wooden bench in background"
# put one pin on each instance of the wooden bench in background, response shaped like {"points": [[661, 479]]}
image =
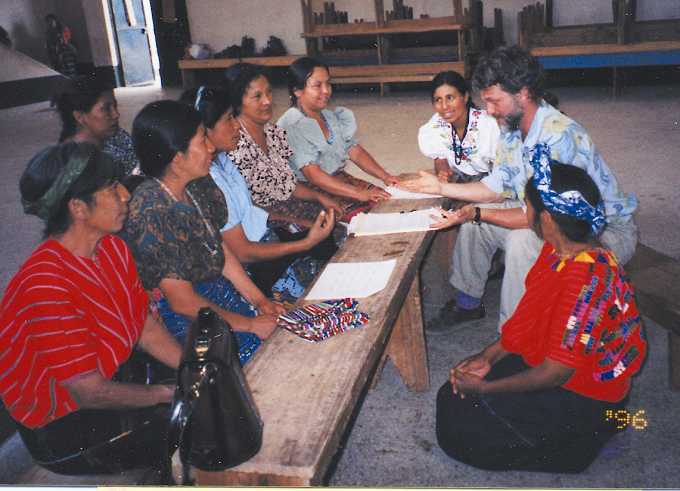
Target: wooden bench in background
{"points": [[622, 43], [189, 67]]}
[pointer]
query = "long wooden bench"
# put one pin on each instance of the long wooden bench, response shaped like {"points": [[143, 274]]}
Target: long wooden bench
{"points": [[307, 392], [189, 67]]}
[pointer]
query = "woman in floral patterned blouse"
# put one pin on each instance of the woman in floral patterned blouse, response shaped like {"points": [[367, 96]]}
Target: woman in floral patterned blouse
{"points": [[459, 137], [262, 153]]}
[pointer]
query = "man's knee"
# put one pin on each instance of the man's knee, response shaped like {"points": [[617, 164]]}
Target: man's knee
{"points": [[522, 244], [622, 241]]}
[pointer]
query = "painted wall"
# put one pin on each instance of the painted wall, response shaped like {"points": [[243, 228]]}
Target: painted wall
{"points": [[220, 23]]}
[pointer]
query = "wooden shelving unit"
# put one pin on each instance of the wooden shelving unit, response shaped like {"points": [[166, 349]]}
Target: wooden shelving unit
{"points": [[385, 61], [618, 44]]}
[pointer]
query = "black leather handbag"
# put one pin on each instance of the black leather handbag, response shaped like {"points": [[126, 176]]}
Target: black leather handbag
{"points": [[215, 423]]}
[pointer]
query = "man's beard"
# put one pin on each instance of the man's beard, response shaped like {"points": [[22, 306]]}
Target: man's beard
{"points": [[512, 120]]}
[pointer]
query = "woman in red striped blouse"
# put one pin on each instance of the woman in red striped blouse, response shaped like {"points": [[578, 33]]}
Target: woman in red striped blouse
{"points": [[70, 320], [541, 397]]}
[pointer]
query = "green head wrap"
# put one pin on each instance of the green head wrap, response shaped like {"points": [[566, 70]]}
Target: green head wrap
{"points": [[45, 206]]}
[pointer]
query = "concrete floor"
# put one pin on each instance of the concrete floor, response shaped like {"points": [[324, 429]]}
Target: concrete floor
{"points": [[392, 442]]}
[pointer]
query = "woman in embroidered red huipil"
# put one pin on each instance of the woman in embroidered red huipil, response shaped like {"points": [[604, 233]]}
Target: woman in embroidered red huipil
{"points": [[541, 397]]}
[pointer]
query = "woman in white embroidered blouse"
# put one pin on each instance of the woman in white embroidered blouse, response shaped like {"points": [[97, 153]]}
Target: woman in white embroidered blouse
{"points": [[459, 137]]}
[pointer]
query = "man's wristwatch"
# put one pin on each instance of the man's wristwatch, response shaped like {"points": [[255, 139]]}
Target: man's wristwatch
{"points": [[478, 216]]}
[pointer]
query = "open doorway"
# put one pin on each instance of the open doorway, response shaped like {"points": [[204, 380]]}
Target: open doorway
{"points": [[135, 42], [171, 24]]}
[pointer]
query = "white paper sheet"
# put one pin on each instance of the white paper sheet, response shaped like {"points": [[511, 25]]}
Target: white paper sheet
{"points": [[355, 280], [392, 223], [401, 194]]}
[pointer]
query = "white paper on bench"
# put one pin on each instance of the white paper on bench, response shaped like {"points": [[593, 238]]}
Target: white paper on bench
{"points": [[392, 223], [401, 194], [355, 280]]}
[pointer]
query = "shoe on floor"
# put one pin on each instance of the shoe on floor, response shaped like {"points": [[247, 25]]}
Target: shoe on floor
{"points": [[451, 314]]}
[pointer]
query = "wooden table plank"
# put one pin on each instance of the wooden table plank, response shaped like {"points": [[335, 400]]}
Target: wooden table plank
{"points": [[306, 392]]}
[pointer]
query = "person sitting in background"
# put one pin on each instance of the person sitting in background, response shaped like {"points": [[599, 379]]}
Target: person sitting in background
{"points": [[459, 137], [262, 154], [74, 323], [173, 230], [322, 140], [267, 254], [538, 399], [60, 49], [88, 110]]}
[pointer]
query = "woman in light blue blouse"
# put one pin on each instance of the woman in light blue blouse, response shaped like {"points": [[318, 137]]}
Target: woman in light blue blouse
{"points": [[323, 139], [275, 258]]}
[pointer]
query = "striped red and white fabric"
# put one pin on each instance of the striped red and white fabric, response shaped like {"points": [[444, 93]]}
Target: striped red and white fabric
{"points": [[581, 312], [64, 316]]}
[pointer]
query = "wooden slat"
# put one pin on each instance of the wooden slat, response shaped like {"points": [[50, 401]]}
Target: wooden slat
{"points": [[379, 13], [382, 79], [421, 25], [574, 35], [390, 27], [654, 276], [227, 62], [406, 347], [394, 69], [327, 30], [654, 31], [306, 392], [606, 48]]}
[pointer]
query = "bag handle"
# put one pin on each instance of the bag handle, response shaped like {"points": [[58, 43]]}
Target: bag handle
{"points": [[183, 407]]}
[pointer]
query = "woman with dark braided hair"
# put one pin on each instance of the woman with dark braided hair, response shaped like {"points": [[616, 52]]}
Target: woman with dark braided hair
{"points": [[537, 399]]}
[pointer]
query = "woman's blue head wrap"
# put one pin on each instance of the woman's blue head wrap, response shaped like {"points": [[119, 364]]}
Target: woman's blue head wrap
{"points": [[567, 203]]}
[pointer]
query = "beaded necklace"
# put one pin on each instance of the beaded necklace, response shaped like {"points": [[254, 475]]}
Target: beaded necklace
{"points": [[330, 138], [458, 147], [212, 250]]}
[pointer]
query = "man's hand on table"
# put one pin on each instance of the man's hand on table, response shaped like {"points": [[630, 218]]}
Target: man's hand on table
{"points": [[453, 217], [426, 183]]}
